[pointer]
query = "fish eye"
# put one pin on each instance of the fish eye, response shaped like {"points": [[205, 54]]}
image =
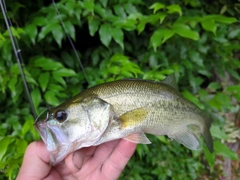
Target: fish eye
{"points": [[61, 116]]}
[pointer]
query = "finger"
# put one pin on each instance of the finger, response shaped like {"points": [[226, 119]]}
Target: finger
{"points": [[74, 161], [35, 163], [101, 153], [118, 159]]}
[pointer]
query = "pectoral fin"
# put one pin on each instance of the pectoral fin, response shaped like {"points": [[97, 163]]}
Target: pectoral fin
{"points": [[138, 138], [133, 118], [188, 138]]}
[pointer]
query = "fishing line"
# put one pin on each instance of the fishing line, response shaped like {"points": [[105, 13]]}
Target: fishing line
{"points": [[70, 40], [18, 56]]}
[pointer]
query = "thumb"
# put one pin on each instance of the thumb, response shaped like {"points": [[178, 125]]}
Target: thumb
{"points": [[35, 163]]}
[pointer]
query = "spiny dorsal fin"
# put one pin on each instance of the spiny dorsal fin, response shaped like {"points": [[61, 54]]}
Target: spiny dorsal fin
{"points": [[171, 81], [133, 118]]}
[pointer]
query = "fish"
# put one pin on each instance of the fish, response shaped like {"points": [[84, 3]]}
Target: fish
{"points": [[126, 109]]}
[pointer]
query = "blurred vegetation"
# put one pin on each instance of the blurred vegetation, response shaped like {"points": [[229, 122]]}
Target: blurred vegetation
{"points": [[196, 40]]}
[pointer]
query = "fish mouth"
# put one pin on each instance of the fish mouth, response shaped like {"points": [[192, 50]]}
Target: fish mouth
{"points": [[53, 136]]}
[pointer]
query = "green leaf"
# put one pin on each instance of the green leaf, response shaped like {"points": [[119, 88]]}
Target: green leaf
{"points": [[105, 34], [184, 31], [156, 7], [47, 64], [223, 149], [161, 16], [192, 98], [5, 141], [119, 10], [12, 83], [218, 133], [93, 26], [88, 5], [31, 30], [117, 35], [39, 21], [50, 97], [70, 29], [209, 25], [233, 34], [104, 3], [59, 79], [43, 80], [213, 86], [36, 97], [210, 157], [58, 34], [174, 8], [160, 36], [223, 19], [64, 72], [45, 30]]}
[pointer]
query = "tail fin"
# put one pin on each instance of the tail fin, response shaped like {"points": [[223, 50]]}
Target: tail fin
{"points": [[206, 133]]}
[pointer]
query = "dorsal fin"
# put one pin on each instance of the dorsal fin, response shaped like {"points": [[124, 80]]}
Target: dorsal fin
{"points": [[171, 81]]}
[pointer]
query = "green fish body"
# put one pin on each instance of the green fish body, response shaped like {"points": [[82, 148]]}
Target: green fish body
{"points": [[124, 109]]}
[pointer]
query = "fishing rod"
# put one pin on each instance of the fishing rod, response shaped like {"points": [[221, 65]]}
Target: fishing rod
{"points": [[18, 56], [70, 40]]}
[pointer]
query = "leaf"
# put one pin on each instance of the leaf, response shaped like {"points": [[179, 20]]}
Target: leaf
{"points": [[156, 7], [36, 97], [40, 21], [234, 33], [192, 98], [59, 79], [47, 64], [223, 149], [88, 5], [213, 86], [64, 72], [160, 36], [5, 141], [117, 35], [174, 8], [31, 30], [14, 32], [50, 97], [93, 26], [184, 31], [45, 30], [161, 16], [105, 34], [210, 157], [209, 25], [70, 29], [218, 133], [58, 34], [104, 3], [223, 19], [43, 80], [119, 10], [11, 85]]}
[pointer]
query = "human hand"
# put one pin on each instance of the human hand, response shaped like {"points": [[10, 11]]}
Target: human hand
{"points": [[105, 161]]}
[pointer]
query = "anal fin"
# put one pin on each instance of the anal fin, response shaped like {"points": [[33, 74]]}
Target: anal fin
{"points": [[139, 137], [188, 138]]}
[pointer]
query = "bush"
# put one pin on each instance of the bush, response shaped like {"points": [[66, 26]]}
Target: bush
{"points": [[198, 41]]}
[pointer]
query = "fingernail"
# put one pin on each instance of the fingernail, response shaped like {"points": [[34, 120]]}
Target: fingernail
{"points": [[76, 158]]}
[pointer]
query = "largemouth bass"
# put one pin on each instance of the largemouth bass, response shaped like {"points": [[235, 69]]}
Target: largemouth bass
{"points": [[123, 109]]}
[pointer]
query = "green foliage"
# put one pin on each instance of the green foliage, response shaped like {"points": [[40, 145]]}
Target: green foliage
{"points": [[198, 41]]}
